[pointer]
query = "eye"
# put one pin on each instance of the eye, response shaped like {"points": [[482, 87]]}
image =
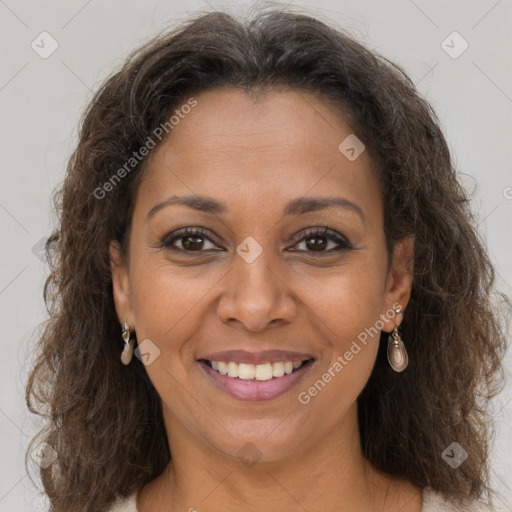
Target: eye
{"points": [[190, 240], [316, 240]]}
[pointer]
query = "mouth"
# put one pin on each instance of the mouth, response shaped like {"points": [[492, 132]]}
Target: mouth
{"points": [[255, 382]]}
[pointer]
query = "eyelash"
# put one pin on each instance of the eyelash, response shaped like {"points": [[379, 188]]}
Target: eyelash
{"points": [[343, 243]]}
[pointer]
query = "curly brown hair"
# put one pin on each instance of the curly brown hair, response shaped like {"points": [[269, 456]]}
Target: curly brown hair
{"points": [[105, 419]]}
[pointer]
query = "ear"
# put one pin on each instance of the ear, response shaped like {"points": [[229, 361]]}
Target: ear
{"points": [[399, 282], [121, 285]]}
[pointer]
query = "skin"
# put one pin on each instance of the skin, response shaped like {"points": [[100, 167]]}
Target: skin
{"points": [[256, 153]]}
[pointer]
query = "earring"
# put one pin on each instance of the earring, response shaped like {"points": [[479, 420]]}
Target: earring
{"points": [[397, 355], [127, 353]]}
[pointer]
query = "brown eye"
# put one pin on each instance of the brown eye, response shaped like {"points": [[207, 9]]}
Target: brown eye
{"points": [[187, 240], [315, 243], [317, 240], [192, 242]]}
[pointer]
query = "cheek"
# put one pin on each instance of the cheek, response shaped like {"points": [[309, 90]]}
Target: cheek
{"points": [[167, 307], [166, 298], [351, 298], [351, 349], [347, 313]]}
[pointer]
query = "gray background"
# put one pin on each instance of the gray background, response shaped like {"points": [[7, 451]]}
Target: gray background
{"points": [[41, 101]]}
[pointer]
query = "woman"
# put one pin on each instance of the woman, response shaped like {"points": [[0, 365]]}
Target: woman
{"points": [[267, 292]]}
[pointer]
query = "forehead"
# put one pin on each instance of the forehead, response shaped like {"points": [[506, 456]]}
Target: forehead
{"points": [[278, 119], [257, 149]]}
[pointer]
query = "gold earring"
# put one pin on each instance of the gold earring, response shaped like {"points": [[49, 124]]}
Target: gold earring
{"points": [[127, 354], [397, 355]]}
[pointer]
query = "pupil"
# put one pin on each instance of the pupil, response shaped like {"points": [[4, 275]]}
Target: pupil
{"points": [[195, 240], [317, 245]]}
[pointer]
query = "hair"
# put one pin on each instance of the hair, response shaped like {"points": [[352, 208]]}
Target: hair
{"points": [[104, 419]]}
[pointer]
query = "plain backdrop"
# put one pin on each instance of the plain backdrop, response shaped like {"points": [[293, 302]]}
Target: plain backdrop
{"points": [[42, 97]]}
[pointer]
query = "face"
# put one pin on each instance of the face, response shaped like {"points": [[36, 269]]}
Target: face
{"points": [[263, 268]]}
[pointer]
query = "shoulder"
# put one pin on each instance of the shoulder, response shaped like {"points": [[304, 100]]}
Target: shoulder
{"points": [[128, 504], [436, 502]]}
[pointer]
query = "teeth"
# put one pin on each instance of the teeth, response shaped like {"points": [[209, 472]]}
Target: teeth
{"points": [[264, 371], [246, 371], [232, 369], [277, 369]]}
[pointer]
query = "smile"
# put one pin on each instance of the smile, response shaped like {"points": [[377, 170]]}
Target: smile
{"points": [[258, 382]]}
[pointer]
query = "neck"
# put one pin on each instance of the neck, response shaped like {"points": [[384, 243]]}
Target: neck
{"points": [[332, 476]]}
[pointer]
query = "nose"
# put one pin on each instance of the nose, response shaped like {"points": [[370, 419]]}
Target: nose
{"points": [[256, 296]]}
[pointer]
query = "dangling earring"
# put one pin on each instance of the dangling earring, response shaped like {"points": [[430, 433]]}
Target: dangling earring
{"points": [[127, 353], [397, 355]]}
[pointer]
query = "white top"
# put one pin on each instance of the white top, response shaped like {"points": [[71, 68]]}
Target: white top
{"points": [[432, 502]]}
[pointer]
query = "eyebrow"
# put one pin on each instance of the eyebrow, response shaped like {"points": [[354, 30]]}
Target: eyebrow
{"points": [[299, 206]]}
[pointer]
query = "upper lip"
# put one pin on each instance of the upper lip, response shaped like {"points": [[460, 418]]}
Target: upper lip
{"points": [[266, 356]]}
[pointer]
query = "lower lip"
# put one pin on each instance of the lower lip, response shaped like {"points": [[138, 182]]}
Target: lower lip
{"points": [[256, 390]]}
